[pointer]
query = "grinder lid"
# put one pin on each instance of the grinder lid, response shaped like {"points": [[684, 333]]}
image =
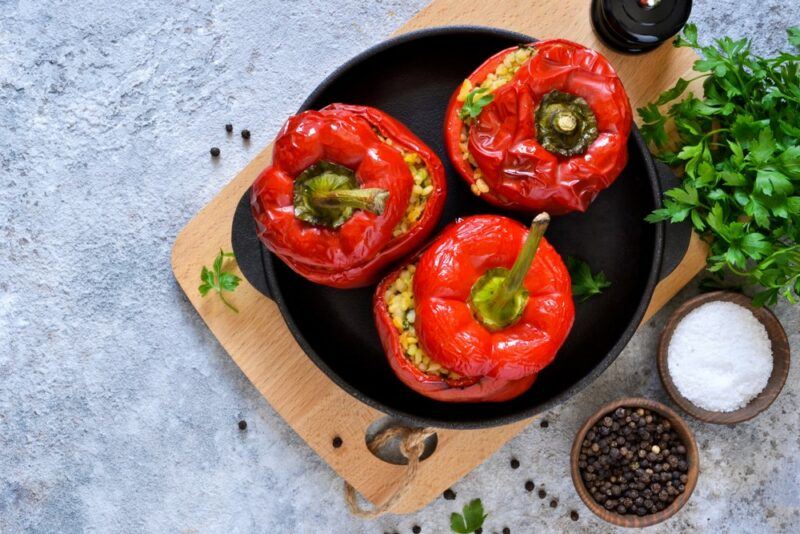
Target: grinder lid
{"points": [[637, 26]]}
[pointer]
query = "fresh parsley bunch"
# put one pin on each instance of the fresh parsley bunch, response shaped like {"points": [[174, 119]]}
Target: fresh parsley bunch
{"points": [[739, 146]]}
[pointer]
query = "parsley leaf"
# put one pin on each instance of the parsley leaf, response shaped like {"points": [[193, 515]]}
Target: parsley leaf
{"points": [[653, 125], [794, 36], [738, 153], [585, 284], [688, 37], [218, 280], [476, 100], [470, 520], [671, 94]]}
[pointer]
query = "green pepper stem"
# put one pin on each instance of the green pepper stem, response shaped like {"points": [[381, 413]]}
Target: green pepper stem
{"points": [[565, 122], [498, 298], [513, 282], [371, 199]]}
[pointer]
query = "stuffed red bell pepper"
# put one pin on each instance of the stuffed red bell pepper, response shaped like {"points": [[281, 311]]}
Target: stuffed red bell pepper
{"points": [[349, 191], [540, 127], [479, 313]]}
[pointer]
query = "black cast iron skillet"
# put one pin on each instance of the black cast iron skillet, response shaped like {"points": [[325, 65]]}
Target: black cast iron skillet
{"points": [[412, 77]]}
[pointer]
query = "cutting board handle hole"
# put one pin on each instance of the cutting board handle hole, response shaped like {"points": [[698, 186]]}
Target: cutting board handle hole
{"points": [[390, 452]]}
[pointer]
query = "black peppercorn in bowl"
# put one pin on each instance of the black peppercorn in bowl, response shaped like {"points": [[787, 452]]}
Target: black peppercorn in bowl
{"points": [[635, 462]]}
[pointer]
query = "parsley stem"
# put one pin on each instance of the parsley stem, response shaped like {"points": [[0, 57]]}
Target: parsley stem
{"points": [[228, 304], [714, 132], [706, 75]]}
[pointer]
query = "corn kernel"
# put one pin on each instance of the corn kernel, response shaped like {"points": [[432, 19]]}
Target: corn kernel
{"points": [[466, 87]]}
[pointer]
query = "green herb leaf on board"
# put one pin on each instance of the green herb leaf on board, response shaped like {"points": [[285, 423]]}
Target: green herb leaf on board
{"points": [[218, 280]]}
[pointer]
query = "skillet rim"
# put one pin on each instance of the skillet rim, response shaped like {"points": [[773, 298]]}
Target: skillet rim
{"points": [[527, 413]]}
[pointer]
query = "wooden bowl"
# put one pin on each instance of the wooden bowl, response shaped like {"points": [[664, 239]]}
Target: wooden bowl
{"points": [[692, 456], [780, 360]]}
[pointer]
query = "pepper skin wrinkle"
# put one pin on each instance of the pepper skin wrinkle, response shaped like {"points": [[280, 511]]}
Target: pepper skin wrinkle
{"points": [[503, 142], [351, 248]]}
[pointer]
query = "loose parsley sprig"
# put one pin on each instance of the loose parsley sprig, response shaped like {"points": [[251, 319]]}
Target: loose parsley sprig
{"points": [[476, 100], [218, 280], [585, 284], [471, 518], [739, 147]]}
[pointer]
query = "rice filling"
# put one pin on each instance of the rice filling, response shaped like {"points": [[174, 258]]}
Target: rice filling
{"points": [[423, 186], [399, 298], [501, 76]]}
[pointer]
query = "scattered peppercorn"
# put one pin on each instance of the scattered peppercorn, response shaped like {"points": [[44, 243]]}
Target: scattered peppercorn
{"points": [[544, 423], [479, 530], [214, 152], [514, 463], [506, 530], [245, 134], [229, 127], [553, 503], [529, 485], [542, 494], [631, 462], [574, 515], [449, 494], [337, 442], [416, 529], [242, 425]]}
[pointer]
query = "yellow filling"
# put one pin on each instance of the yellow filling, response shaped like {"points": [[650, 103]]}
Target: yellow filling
{"points": [[423, 187], [400, 303], [501, 76]]}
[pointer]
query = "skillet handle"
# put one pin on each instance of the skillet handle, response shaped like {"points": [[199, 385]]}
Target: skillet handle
{"points": [[676, 235], [247, 248]]}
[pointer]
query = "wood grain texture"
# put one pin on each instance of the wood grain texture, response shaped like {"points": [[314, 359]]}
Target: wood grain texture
{"points": [[780, 360], [692, 457], [259, 342]]}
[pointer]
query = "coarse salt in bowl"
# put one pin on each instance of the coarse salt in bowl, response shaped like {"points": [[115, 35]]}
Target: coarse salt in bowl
{"points": [[720, 356]]}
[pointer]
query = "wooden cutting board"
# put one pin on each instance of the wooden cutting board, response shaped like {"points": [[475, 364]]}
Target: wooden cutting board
{"points": [[261, 345]]}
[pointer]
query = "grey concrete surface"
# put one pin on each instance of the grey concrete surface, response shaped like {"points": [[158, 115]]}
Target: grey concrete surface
{"points": [[118, 409]]}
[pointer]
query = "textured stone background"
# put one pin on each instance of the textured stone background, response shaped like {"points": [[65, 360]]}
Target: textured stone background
{"points": [[118, 409]]}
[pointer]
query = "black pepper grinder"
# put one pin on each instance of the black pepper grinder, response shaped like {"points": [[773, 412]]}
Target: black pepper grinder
{"points": [[638, 26]]}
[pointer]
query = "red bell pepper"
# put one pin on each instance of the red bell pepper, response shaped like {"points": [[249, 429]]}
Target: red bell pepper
{"points": [[342, 198], [491, 304], [548, 139]]}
